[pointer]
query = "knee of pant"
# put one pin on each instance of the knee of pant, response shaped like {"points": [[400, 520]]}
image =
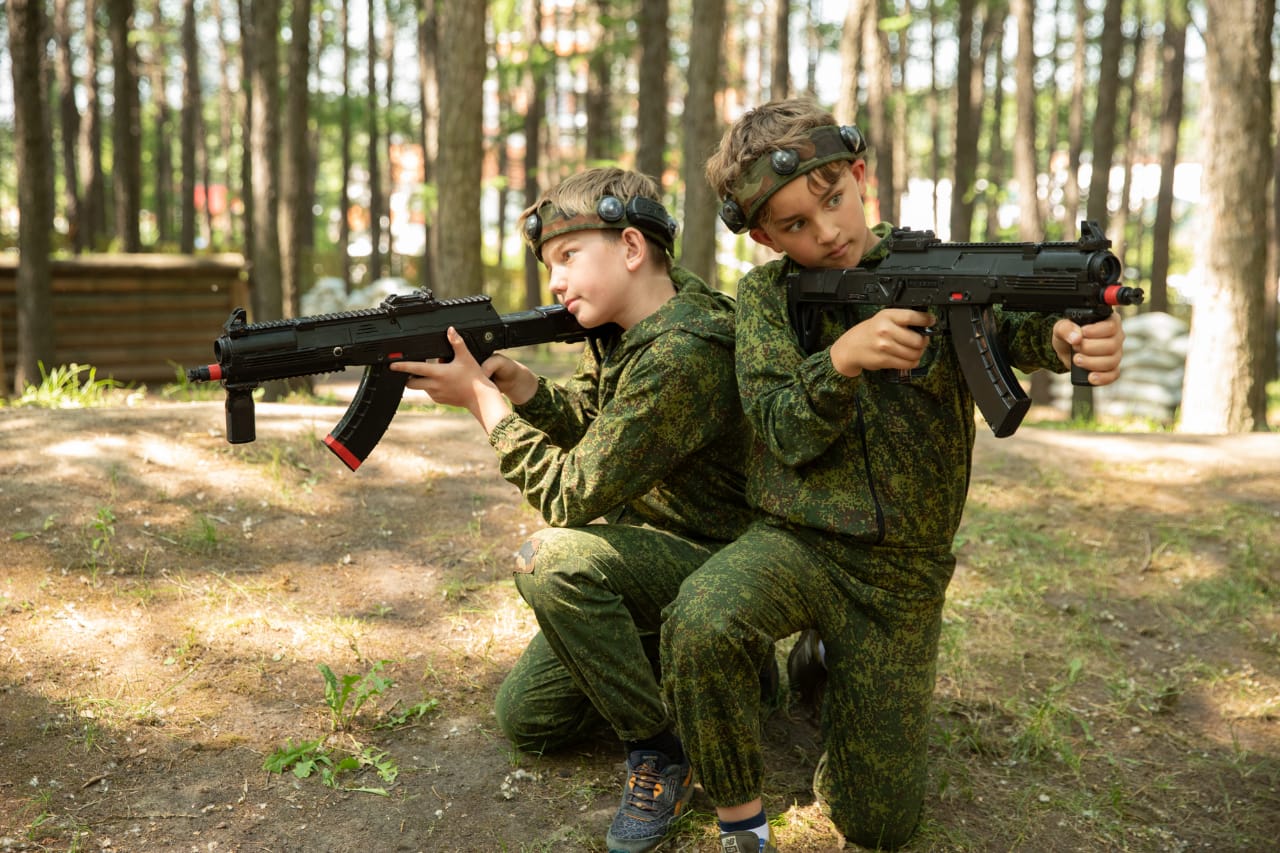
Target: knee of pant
{"points": [[689, 627], [507, 710], [526, 731], [552, 561]]}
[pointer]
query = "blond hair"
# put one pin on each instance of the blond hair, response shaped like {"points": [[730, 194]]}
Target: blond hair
{"points": [[579, 194]]}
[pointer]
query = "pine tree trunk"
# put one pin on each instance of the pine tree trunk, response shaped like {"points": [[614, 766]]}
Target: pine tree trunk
{"points": [[651, 109], [702, 134], [32, 152], [1174, 53], [462, 68], [1222, 389]]}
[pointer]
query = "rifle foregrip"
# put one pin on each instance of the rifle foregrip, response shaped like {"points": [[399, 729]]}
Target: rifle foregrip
{"points": [[368, 416], [995, 388]]}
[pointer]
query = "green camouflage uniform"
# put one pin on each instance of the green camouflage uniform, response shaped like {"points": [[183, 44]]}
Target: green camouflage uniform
{"points": [[649, 435], [864, 482]]}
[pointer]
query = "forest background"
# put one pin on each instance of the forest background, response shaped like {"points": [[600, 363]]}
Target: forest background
{"points": [[402, 137]]}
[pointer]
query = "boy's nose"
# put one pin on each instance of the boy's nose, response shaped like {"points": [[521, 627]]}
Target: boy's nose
{"points": [[828, 231]]}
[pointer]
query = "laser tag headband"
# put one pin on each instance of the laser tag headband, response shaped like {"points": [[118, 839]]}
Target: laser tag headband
{"points": [[650, 217], [771, 172]]}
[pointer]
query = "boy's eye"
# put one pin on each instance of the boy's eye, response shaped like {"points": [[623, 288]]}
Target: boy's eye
{"points": [[796, 226], [835, 200]]}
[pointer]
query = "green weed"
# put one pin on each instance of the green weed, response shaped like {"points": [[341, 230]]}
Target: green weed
{"points": [[327, 760], [346, 696], [61, 388]]}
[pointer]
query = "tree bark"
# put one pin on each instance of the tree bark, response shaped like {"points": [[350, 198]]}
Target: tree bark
{"points": [[780, 76], [653, 95], [69, 119], [428, 51], [702, 135], [374, 151], [462, 69], [535, 100], [126, 156], [192, 103], [264, 154], [32, 152], [1025, 166], [1222, 391], [295, 170], [879, 129], [93, 214], [602, 142], [1174, 54]]}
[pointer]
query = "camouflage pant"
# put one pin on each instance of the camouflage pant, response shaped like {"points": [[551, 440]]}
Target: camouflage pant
{"points": [[878, 611], [598, 593]]}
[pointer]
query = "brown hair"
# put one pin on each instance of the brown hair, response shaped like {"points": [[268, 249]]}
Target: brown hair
{"points": [[762, 130]]}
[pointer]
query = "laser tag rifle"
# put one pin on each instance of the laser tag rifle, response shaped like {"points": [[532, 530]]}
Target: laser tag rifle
{"points": [[405, 327], [958, 283]]}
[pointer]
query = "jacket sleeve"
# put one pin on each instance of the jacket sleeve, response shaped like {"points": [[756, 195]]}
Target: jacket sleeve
{"points": [[1027, 339], [564, 410], [797, 404], [672, 401]]}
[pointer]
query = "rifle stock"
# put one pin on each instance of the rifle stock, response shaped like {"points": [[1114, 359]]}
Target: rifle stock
{"points": [[1079, 280], [405, 327]]}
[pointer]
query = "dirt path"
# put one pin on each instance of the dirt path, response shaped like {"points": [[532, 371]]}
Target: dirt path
{"points": [[167, 599]]}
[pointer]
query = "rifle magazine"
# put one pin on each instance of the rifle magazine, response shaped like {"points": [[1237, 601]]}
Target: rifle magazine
{"points": [[995, 389]]}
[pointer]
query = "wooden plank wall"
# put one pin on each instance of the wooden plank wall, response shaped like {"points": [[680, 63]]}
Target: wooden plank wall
{"points": [[130, 316]]}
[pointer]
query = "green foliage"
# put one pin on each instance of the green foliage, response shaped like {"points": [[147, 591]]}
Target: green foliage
{"points": [[61, 388], [345, 696]]}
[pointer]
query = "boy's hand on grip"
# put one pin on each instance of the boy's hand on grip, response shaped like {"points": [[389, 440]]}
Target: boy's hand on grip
{"points": [[1094, 347], [459, 382], [892, 339]]}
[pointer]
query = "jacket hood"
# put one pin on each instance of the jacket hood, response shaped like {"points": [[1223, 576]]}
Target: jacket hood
{"points": [[695, 309]]}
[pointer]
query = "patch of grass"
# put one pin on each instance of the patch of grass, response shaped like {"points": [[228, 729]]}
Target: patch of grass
{"points": [[330, 757], [63, 388]]}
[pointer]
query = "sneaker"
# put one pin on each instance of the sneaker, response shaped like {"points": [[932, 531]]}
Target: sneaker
{"points": [[745, 841], [656, 793], [805, 672]]}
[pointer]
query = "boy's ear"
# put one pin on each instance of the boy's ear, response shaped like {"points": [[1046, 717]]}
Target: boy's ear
{"points": [[858, 170], [762, 237], [635, 247]]}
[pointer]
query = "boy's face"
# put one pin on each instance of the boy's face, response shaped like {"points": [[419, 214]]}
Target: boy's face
{"points": [[823, 229], [588, 274]]}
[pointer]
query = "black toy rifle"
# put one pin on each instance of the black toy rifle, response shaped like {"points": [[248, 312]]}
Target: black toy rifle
{"points": [[958, 283], [405, 327]]}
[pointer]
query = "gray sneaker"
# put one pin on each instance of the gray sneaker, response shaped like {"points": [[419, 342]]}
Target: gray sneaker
{"points": [[745, 841], [655, 795]]}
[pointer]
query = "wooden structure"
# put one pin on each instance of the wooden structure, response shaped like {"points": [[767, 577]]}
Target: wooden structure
{"points": [[132, 317]]}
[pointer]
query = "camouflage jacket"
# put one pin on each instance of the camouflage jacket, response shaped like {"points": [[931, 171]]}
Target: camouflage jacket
{"points": [[649, 428], [880, 461]]}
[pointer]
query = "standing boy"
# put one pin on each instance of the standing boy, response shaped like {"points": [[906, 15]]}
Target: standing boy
{"points": [[648, 435], [863, 480]]}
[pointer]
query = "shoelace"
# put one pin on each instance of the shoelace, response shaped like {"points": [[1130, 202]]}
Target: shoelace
{"points": [[644, 787]]}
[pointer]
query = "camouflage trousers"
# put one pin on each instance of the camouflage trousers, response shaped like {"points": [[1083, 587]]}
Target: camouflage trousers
{"points": [[878, 611], [598, 593]]}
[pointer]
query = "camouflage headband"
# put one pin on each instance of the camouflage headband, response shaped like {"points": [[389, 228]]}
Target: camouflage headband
{"points": [[771, 172], [650, 217]]}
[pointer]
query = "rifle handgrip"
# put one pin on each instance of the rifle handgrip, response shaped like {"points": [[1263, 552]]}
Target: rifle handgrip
{"points": [[995, 388], [368, 416]]}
